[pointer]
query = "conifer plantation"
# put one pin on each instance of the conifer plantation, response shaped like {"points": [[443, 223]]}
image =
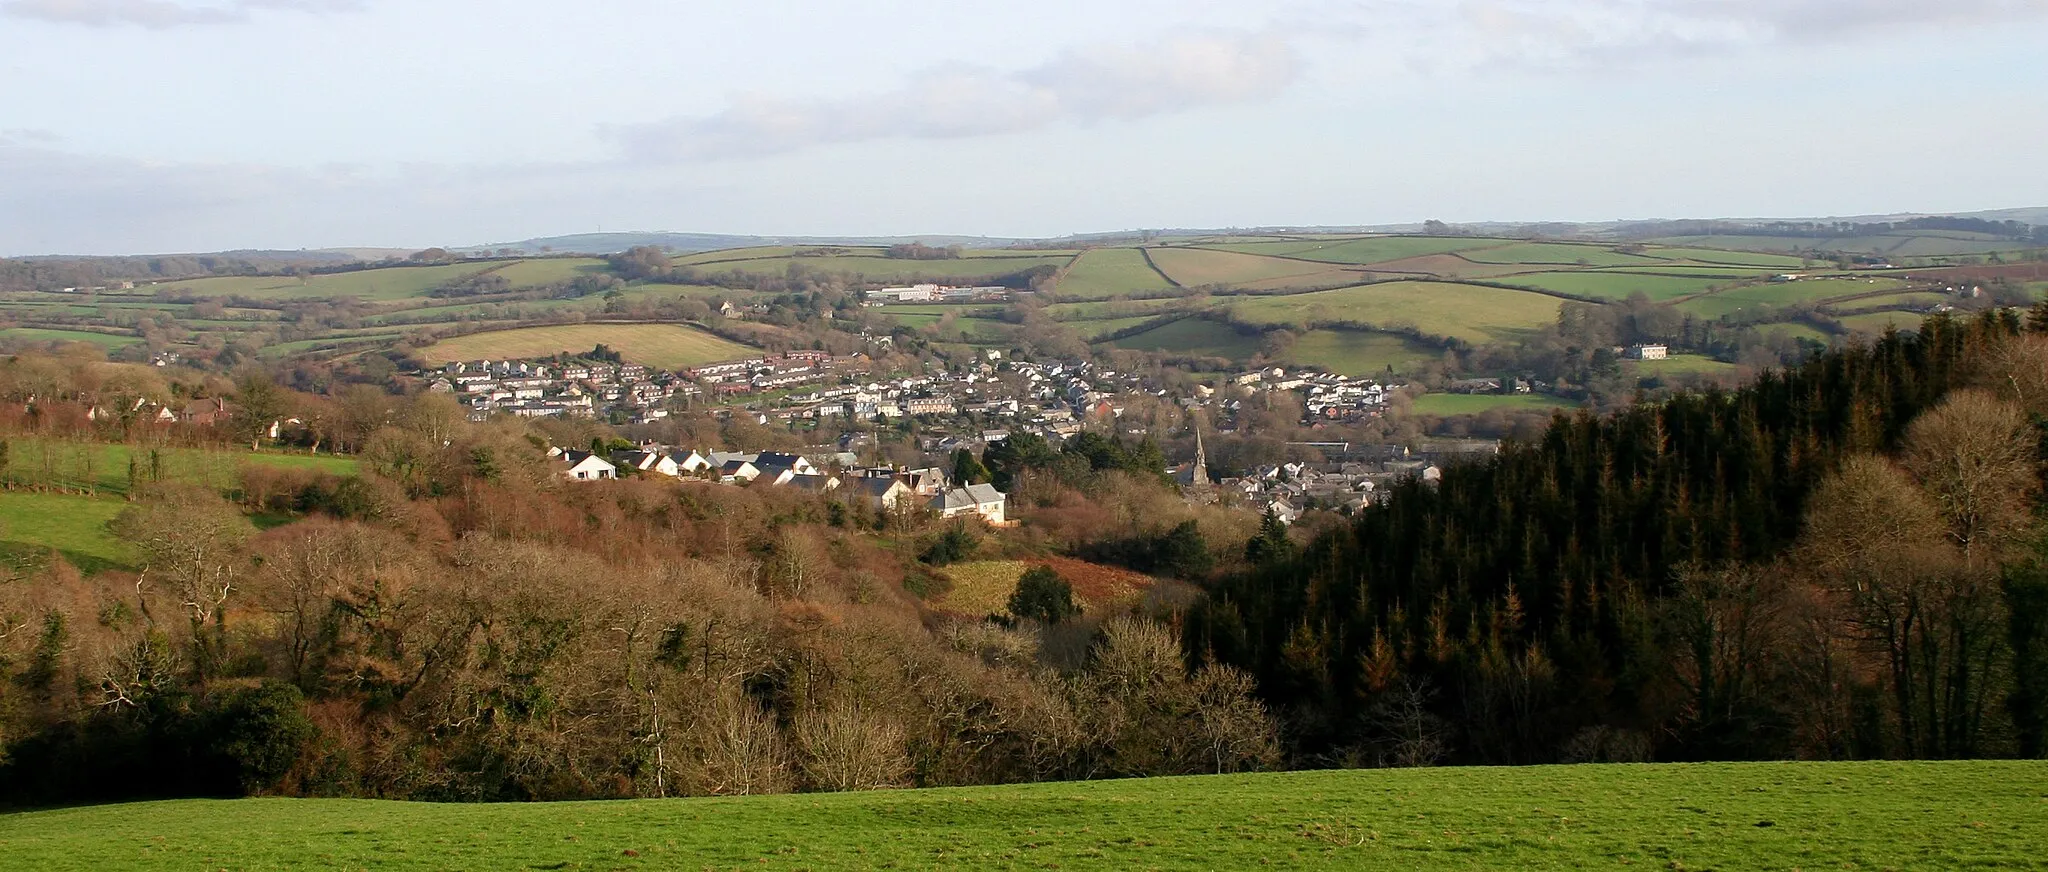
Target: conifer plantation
{"points": [[1841, 560]]}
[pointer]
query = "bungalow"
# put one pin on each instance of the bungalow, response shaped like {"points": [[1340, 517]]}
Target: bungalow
{"points": [[979, 499], [883, 493], [582, 466], [817, 484], [795, 462], [691, 462], [647, 461], [774, 475], [739, 470]]}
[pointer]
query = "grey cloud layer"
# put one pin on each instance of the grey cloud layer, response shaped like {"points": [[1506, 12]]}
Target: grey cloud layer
{"points": [[160, 14], [1088, 84], [1195, 70]]}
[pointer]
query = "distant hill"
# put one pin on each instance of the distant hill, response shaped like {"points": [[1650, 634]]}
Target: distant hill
{"points": [[608, 243]]}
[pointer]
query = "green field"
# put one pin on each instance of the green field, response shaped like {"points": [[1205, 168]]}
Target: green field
{"points": [[38, 334], [1558, 253], [870, 264], [1777, 816], [1782, 294], [1473, 404], [1795, 330], [1364, 250], [1684, 364], [1199, 337], [389, 283], [1877, 322], [1106, 272], [1615, 286], [667, 346], [547, 271], [1095, 330], [1736, 258], [1197, 266], [1469, 312], [33, 524], [1359, 352], [104, 467]]}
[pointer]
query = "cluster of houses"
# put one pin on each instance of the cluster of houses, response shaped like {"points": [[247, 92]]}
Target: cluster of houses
{"points": [[885, 488], [590, 389], [1349, 478]]}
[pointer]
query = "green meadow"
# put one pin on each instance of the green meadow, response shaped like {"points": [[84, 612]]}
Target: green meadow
{"points": [[38, 334], [1748, 816], [1614, 285], [1473, 404], [1199, 337], [32, 525], [1105, 272], [1470, 312]]}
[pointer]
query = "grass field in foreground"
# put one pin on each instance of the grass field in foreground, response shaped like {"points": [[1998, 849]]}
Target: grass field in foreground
{"points": [[1473, 404], [1947, 815], [667, 346]]}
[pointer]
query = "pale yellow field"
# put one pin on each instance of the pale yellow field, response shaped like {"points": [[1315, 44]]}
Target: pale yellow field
{"points": [[668, 346]]}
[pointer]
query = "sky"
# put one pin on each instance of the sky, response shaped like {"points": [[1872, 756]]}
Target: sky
{"points": [[156, 126]]}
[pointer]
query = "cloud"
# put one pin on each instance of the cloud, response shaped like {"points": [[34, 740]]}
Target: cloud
{"points": [[160, 14], [1606, 33], [1082, 85]]}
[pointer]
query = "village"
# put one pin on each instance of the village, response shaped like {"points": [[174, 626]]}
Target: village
{"points": [[957, 407]]}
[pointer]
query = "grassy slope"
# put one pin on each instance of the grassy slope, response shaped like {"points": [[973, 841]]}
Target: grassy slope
{"points": [[1198, 336], [1107, 271], [1683, 364], [667, 346], [1469, 312], [38, 334], [31, 525], [1473, 404], [104, 467], [1781, 294], [75, 525], [1364, 250], [1718, 816], [1559, 253], [1197, 266], [1359, 352], [1614, 286], [393, 283]]}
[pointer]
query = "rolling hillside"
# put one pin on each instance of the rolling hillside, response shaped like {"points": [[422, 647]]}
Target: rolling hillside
{"points": [[1357, 302]]}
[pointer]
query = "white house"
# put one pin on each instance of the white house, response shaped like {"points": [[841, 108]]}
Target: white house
{"points": [[647, 461], [691, 462], [583, 466], [739, 470], [1649, 352], [979, 499]]}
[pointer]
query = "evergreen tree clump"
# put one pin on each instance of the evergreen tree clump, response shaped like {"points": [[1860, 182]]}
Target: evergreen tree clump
{"points": [[1043, 596]]}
